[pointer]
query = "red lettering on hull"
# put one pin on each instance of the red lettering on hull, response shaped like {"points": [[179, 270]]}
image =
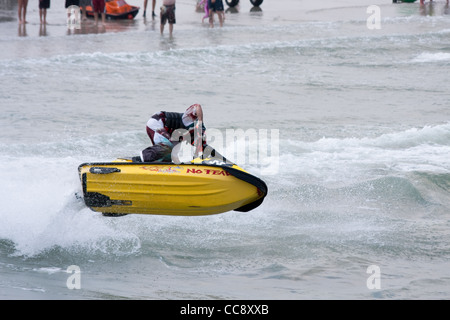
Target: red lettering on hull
{"points": [[213, 172]]}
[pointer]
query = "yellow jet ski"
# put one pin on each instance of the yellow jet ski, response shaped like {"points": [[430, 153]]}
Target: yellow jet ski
{"points": [[199, 187]]}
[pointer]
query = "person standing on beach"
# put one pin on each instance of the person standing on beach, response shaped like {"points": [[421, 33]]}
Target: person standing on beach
{"points": [[83, 5], [153, 8], [99, 7], [43, 6], [168, 15], [22, 11], [204, 3], [220, 12], [216, 6]]}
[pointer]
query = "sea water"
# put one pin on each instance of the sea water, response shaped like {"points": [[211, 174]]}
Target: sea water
{"points": [[351, 110]]}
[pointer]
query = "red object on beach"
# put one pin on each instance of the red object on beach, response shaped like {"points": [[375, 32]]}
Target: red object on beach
{"points": [[116, 9]]}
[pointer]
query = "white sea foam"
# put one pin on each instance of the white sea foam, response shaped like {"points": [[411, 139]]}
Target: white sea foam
{"points": [[40, 210], [426, 57], [349, 159], [49, 270]]}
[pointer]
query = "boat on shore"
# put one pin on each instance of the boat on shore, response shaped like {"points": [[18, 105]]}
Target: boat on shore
{"points": [[116, 9]]}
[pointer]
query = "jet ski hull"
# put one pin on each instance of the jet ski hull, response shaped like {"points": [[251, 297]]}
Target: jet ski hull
{"points": [[192, 189]]}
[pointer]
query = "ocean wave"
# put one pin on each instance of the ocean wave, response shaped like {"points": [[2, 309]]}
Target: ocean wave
{"points": [[67, 234], [41, 214], [429, 57], [198, 60], [98, 147], [374, 192], [432, 136], [413, 137], [427, 145]]}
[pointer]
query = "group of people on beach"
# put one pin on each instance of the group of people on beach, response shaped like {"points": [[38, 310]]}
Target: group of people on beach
{"points": [[98, 7], [167, 14]]}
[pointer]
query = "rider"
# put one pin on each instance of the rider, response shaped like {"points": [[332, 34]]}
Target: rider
{"points": [[167, 129]]}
